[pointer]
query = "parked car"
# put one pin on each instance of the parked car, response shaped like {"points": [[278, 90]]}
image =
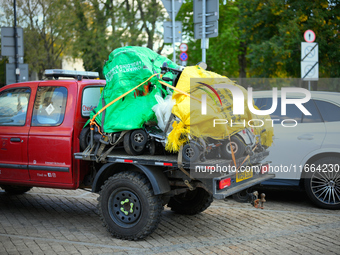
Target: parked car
{"points": [[308, 154]]}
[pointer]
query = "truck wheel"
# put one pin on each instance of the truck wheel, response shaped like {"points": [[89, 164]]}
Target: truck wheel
{"points": [[130, 148], [84, 138], [15, 190], [191, 152], [237, 145], [322, 183], [191, 202], [128, 206]]}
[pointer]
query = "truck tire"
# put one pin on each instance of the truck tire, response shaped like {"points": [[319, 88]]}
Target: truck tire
{"points": [[84, 138], [128, 207], [323, 186], [237, 144], [191, 202], [15, 190]]}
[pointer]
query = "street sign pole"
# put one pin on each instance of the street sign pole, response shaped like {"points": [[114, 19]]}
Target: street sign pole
{"points": [[203, 32], [173, 30], [206, 16], [17, 70]]}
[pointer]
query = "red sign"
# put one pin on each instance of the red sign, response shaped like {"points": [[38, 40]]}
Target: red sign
{"points": [[309, 36], [183, 56], [183, 47]]}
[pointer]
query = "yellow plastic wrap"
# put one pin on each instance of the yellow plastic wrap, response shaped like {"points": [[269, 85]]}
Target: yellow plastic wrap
{"points": [[188, 110]]}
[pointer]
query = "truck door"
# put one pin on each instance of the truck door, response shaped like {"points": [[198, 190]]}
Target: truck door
{"points": [[14, 128], [50, 136]]}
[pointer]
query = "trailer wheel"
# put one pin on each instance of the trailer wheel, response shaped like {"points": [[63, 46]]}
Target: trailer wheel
{"points": [[131, 148], [236, 144], [191, 202], [84, 138], [128, 206], [15, 190]]}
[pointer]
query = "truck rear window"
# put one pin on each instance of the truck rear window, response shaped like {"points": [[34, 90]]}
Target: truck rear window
{"points": [[49, 106], [91, 96]]}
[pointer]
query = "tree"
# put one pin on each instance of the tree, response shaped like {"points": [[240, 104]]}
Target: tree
{"points": [[222, 55], [102, 26], [46, 34], [89, 29], [273, 32]]}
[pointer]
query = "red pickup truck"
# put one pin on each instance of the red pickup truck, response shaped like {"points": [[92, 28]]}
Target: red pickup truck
{"points": [[40, 124]]}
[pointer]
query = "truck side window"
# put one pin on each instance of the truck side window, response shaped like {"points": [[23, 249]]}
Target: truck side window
{"points": [[49, 106], [13, 106]]}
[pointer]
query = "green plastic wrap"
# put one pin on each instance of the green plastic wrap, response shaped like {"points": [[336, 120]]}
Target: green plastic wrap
{"points": [[126, 68]]}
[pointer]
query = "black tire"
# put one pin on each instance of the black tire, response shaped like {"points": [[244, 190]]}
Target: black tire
{"points": [[152, 147], [237, 144], [123, 220], [191, 202], [15, 190], [130, 148], [138, 137], [84, 138], [323, 186], [191, 152], [242, 196]]}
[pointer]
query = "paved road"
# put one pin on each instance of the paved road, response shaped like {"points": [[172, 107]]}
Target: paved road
{"points": [[50, 221]]}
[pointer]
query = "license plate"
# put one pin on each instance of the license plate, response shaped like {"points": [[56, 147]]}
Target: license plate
{"points": [[244, 175]]}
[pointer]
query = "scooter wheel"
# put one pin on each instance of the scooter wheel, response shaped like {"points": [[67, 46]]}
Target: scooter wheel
{"points": [[234, 143], [130, 148], [191, 152], [139, 137]]}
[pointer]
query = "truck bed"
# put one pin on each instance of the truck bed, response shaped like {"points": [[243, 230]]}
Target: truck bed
{"points": [[210, 179], [120, 156]]}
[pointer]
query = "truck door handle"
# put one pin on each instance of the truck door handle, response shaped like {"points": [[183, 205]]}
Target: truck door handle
{"points": [[15, 140], [306, 137]]}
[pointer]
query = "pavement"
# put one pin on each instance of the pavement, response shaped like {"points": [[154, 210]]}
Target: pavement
{"points": [[52, 221]]}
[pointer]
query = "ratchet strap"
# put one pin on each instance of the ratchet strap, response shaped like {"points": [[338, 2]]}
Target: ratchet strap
{"points": [[180, 163]]}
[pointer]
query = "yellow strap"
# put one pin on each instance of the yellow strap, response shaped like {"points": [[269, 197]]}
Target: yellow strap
{"points": [[246, 158], [115, 100], [179, 90]]}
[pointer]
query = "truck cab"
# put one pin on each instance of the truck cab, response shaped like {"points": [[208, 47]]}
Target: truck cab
{"points": [[40, 122]]}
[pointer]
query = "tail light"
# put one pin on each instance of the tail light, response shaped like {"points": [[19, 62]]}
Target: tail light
{"points": [[224, 183]]}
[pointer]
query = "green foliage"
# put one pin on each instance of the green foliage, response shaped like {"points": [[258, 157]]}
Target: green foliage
{"points": [[257, 38], [222, 55], [89, 29], [102, 26], [273, 31], [46, 35]]}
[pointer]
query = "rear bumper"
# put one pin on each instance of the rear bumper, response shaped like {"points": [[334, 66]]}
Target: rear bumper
{"points": [[238, 186]]}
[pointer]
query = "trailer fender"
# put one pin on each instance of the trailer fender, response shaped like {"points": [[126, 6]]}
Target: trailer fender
{"points": [[159, 182]]}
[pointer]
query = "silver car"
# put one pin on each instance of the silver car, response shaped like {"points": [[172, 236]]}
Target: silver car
{"points": [[306, 152]]}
